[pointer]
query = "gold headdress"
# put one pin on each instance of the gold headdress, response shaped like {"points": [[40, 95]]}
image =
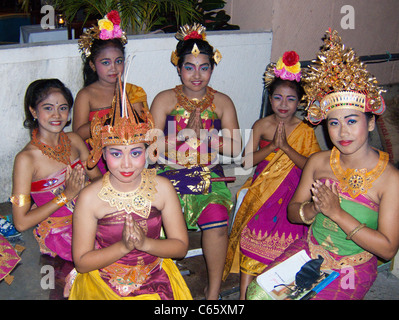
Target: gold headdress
{"points": [[108, 28], [338, 79], [196, 31], [122, 126]]}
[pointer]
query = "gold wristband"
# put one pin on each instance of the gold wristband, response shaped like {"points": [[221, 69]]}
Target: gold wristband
{"points": [[359, 227], [60, 200], [302, 215], [20, 200]]}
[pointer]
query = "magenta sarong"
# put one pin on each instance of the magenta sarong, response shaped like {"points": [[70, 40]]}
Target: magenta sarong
{"points": [[353, 283], [269, 232]]}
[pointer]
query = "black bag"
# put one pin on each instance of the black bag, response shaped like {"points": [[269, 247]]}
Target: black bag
{"points": [[309, 274]]}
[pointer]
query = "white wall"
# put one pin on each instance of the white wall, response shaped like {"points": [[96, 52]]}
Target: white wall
{"points": [[239, 75]]}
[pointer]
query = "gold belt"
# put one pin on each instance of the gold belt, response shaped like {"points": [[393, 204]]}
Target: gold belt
{"points": [[330, 262]]}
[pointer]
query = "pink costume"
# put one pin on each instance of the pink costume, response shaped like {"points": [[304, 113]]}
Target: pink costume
{"points": [[54, 234]]}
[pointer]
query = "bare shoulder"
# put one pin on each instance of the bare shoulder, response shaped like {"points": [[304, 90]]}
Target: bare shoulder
{"points": [[164, 102], [76, 139], [264, 127], [88, 195], [167, 96], [83, 93], [262, 122], [164, 185], [390, 177], [25, 156], [322, 157]]}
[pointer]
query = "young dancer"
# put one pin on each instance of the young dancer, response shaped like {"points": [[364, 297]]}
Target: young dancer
{"points": [[279, 147], [51, 169], [347, 194], [103, 53], [117, 248], [190, 115]]}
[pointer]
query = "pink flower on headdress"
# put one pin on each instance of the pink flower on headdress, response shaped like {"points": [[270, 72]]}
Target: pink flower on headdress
{"points": [[105, 34], [117, 32], [286, 75]]}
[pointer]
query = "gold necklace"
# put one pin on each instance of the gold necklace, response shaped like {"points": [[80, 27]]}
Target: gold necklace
{"points": [[193, 104], [61, 152], [137, 201], [357, 181]]}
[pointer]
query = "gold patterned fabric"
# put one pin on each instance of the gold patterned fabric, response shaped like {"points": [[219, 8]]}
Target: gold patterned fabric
{"points": [[138, 201], [303, 140]]}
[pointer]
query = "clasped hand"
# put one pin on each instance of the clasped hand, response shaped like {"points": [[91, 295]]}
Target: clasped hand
{"points": [[195, 122], [326, 198], [280, 137], [74, 181], [133, 236]]}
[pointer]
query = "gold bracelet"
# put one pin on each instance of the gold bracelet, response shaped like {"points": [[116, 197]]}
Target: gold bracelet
{"points": [[60, 200], [302, 215], [359, 227], [20, 200]]}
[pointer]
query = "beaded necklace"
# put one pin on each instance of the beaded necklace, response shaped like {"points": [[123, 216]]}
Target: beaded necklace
{"points": [[61, 152], [357, 181]]}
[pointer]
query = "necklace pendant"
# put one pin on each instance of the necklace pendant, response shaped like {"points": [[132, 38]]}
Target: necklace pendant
{"points": [[356, 181]]}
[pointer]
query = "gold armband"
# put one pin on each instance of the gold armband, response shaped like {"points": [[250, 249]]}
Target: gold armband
{"points": [[359, 227], [302, 215], [20, 200], [60, 200]]}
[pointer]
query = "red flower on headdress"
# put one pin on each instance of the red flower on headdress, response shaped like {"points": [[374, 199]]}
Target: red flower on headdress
{"points": [[193, 35], [290, 58], [114, 17]]}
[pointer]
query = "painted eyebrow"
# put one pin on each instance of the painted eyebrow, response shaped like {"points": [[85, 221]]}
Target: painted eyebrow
{"points": [[51, 104], [290, 95], [120, 150], [103, 59], [348, 116], [192, 64]]}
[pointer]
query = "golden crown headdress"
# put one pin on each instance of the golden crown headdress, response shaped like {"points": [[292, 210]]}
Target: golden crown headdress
{"points": [[338, 79], [107, 28], [122, 126], [196, 31]]}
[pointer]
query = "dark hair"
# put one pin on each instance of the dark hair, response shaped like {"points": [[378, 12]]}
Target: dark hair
{"points": [[39, 90], [292, 84], [297, 86], [185, 47], [89, 75]]}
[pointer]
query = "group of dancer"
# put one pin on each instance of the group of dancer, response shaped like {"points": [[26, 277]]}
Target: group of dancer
{"points": [[98, 201]]}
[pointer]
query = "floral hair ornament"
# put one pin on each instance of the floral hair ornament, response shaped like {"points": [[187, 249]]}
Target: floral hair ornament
{"points": [[123, 125], [288, 67], [196, 31], [339, 80], [108, 28]]}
